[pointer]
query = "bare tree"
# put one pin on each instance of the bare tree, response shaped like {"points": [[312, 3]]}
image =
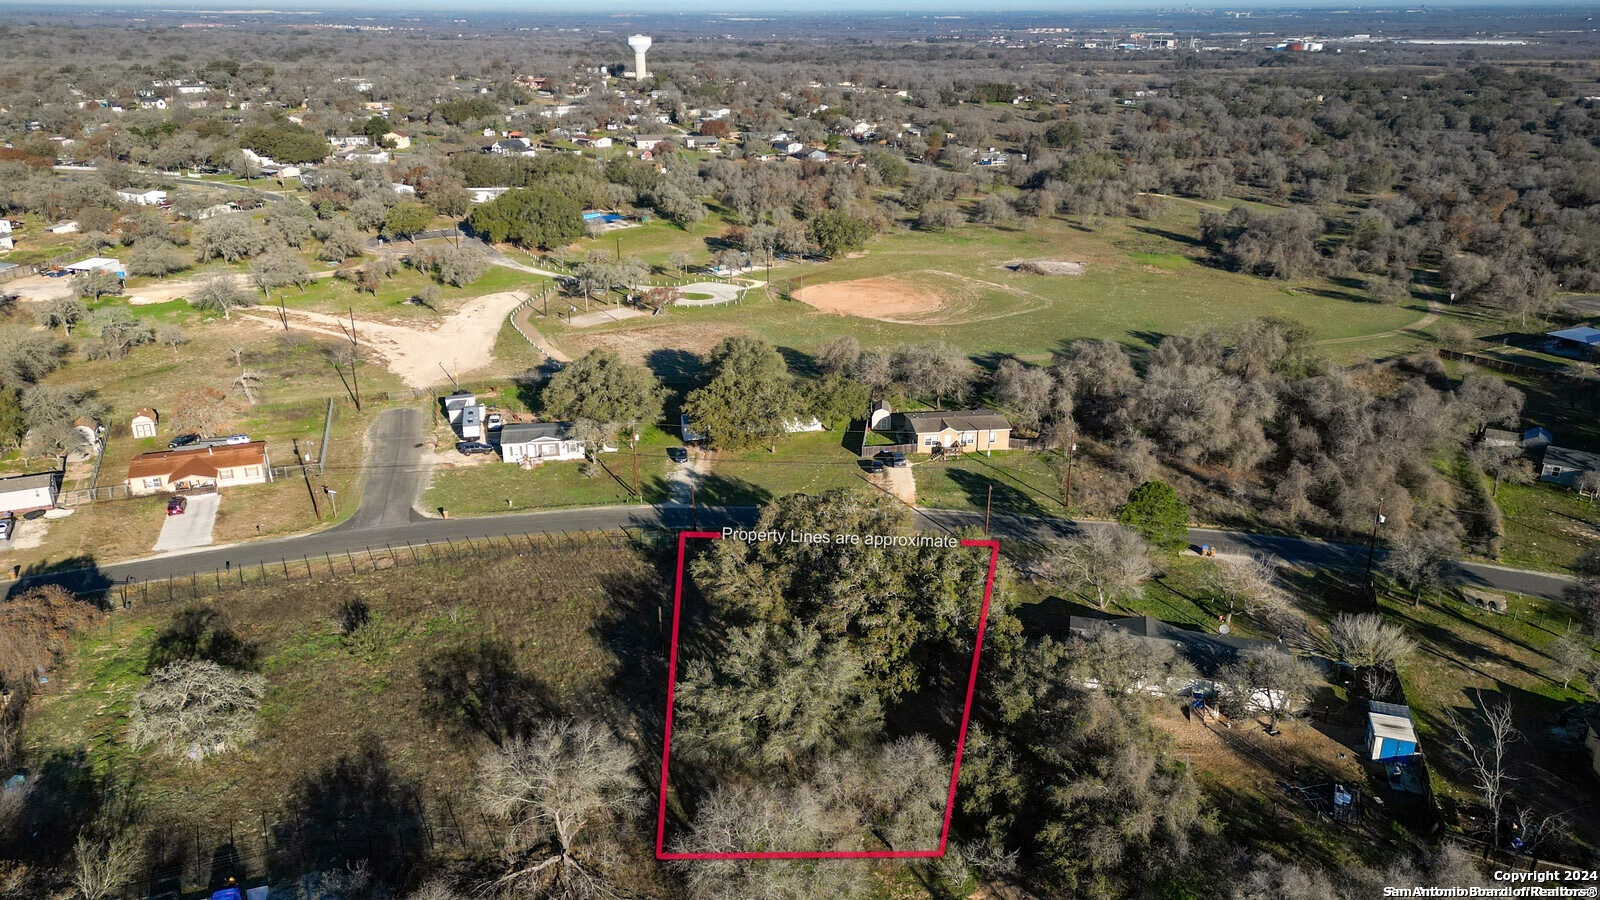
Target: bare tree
{"points": [[219, 293], [736, 818], [1248, 583], [1124, 666], [839, 355], [551, 786], [1420, 560], [62, 311], [1503, 464], [934, 368], [203, 411], [1267, 679], [1588, 485], [1532, 830], [1487, 753], [195, 708], [279, 268], [1571, 657], [1366, 641], [1112, 562], [103, 864]]}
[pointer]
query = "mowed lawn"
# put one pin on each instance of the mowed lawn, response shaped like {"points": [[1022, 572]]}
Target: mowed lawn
{"points": [[1142, 283]]}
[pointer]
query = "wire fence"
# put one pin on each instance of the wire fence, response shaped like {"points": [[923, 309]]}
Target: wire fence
{"points": [[132, 593]]}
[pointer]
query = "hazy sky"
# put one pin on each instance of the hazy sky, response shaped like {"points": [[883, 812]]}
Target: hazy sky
{"points": [[971, 8]]}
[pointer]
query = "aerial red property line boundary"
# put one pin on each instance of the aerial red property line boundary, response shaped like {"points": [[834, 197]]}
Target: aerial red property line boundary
{"points": [[961, 739]]}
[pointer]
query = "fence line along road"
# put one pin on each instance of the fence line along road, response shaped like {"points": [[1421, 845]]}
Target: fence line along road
{"points": [[334, 542]]}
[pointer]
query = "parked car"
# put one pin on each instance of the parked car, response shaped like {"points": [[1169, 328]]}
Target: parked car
{"points": [[494, 421], [177, 505], [57, 273], [872, 466], [678, 454], [893, 458], [8, 526], [470, 448], [236, 439], [182, 440]]}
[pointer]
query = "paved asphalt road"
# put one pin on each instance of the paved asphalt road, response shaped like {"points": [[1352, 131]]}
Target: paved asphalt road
{"points": [[395, 472], [384, 528]]}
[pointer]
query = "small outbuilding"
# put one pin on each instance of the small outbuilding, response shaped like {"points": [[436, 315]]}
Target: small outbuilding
{"points": [[1391, 737], [144, 423], [26, 493], [1582, 338]]}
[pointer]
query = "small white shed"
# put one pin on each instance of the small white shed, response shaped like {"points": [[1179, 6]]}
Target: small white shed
{"points": [[144, 423]]}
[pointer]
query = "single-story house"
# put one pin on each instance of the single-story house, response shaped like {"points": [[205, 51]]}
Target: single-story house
{"points": [[143, 198], [63, 228], [93, 263], [517, 146], [539, 441], [26, 493], [397, 140], [965, 429], [144, 423], [788, 147], [1562, 466], [701, 142], [376, 157], [798, 425], [1207, 652], [648, 141], [5, 235], [1537, 438], [1581, 338], [216, 466], [817, 156], [1391, 736], [485, 194], [596, 143]]}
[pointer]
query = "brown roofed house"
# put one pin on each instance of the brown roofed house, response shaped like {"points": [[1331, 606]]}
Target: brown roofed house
{"points": [[968, 430], [214, 466]]}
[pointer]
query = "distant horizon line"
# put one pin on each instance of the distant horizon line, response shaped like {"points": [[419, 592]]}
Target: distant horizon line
{"points": [[952, 9]]}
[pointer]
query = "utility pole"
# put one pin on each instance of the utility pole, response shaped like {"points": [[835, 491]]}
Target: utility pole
{"points": [[1066, 500], [987, 504], [694, 519], [1372, 541], [635, 449], [355, 357]]}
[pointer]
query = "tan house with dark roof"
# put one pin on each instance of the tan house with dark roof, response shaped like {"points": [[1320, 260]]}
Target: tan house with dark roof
{"points": [[968, 430], [226, 465]]}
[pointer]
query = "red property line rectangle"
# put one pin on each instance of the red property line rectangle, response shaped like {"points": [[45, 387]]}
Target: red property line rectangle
{"points": [[961, 738]]}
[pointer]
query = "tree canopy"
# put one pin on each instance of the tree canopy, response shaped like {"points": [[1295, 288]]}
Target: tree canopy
{"points": [[529, 217]]}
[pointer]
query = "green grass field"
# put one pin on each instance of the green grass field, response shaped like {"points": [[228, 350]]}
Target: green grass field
{"points": [[1141, 284], [1546, 526]]}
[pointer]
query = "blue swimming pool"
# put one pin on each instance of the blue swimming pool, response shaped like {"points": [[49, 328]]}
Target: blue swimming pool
{"points": [[605, 217]]}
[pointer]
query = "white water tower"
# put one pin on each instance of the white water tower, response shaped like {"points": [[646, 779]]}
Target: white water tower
{"points": [[640, 43]]}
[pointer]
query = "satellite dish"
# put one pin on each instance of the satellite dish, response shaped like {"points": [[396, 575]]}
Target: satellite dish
{"points": [[1224, 629]]}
